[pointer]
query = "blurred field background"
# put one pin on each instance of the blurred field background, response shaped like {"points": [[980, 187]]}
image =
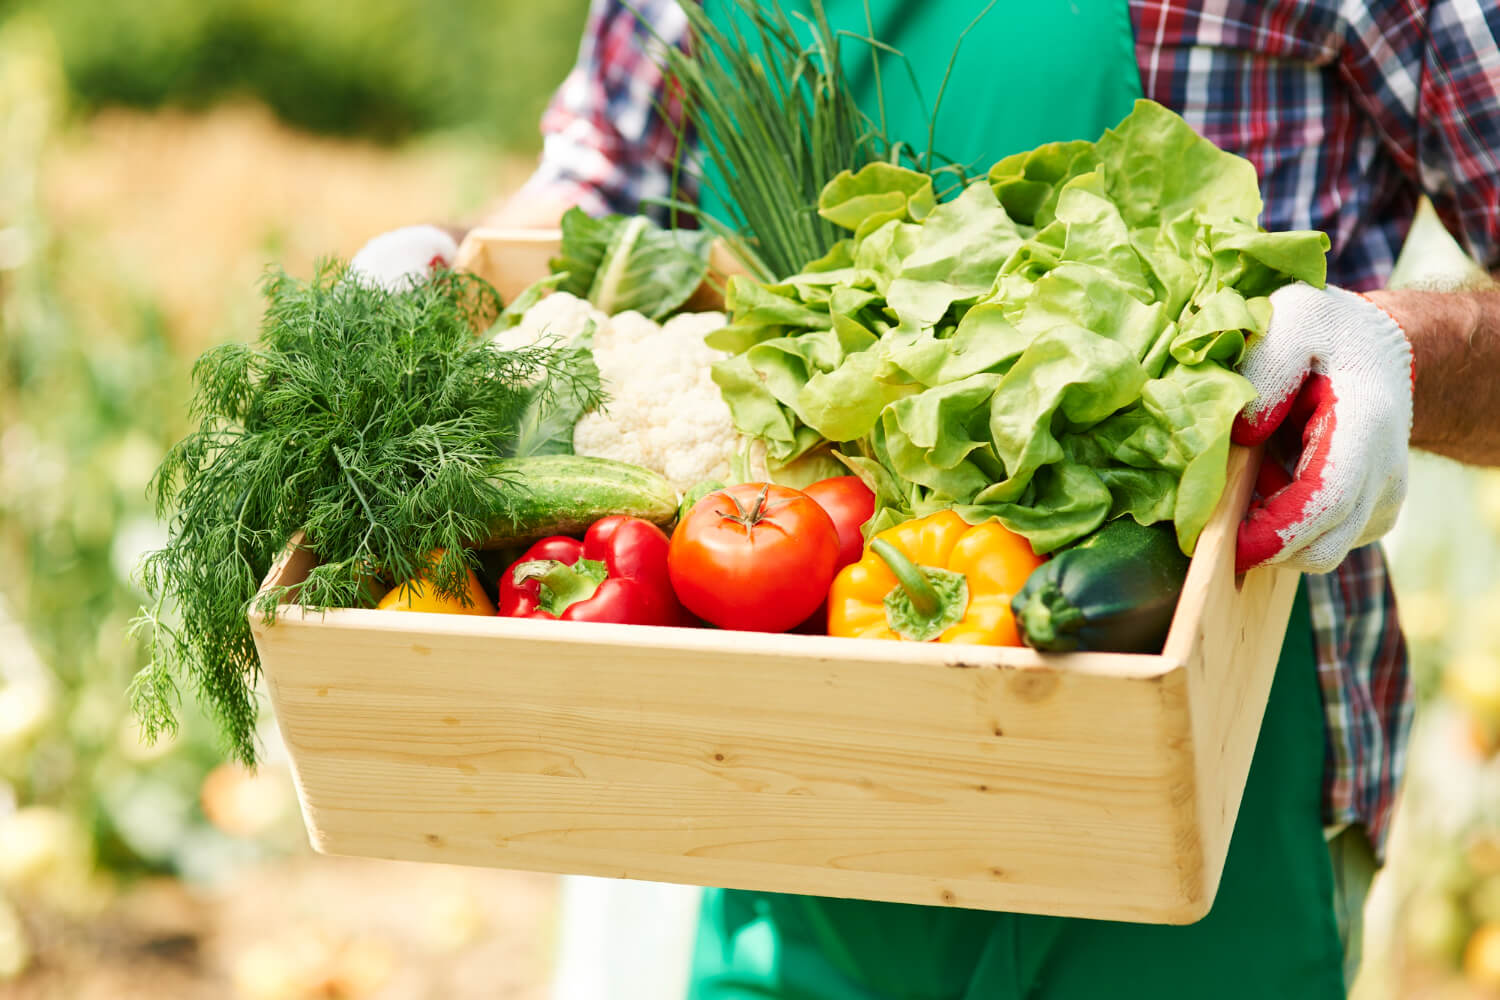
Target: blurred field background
{"points": [[155, 157]]}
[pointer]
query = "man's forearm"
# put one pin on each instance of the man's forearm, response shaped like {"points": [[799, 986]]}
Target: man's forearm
{"points": [[1455, 341], [521, 210], [528, 209]]}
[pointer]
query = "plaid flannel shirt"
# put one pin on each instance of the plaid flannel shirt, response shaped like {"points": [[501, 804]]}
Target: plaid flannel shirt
{"points": [[1349, 112]]}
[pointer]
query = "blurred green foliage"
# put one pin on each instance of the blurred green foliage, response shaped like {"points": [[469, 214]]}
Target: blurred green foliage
{"points": [[86, 410], [385, 69]]}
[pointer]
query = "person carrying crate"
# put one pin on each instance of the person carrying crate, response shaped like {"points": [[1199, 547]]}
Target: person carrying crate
{"points": [[1350, 113]]}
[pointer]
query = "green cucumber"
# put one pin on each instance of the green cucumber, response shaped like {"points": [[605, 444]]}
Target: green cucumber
{"points": [[697, 492], [1115, 591], [564, 494]]}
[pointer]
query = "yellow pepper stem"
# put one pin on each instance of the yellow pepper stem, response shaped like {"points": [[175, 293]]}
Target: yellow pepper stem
{"points": [[924, 600]]}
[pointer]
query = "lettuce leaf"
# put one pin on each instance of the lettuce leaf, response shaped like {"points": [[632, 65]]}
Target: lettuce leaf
{"points": [[1053, 347], [955, 258], [879, 193]]}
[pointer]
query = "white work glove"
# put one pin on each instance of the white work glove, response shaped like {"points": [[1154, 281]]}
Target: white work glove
{"points": [[396, 259], [1334, 371]]}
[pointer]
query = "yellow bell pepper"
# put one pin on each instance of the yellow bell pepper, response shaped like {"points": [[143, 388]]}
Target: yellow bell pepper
{"points": [[413, 596], [934, 578]]}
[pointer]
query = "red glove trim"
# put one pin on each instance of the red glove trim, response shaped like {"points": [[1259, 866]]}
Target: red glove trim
{"points": [[1313, 409]]}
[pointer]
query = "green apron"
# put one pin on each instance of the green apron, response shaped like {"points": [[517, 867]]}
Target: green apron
{"points": [[1027, 74]]}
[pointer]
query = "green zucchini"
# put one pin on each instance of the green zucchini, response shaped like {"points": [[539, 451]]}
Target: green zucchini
{"points": [[1115, 591], [564, 494]]}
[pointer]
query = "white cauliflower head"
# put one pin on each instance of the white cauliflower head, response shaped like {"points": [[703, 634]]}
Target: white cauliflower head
{"points": [[664, 410], [560, 317]]}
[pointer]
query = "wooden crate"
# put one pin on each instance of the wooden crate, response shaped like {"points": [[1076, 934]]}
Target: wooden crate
{"points": [[1090, 785], [1094, 785], [509, 259]]}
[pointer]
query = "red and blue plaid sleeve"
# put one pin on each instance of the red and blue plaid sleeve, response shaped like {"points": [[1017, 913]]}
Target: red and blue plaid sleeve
{"points": [[1428, 74], [611, 135]]}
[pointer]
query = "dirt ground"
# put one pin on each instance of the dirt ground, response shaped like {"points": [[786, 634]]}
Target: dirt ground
{"points": [[306, 928], [185, 210]]}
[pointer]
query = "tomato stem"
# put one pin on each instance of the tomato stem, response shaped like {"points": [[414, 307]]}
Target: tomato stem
{"points": [[760, 503], [755, 514], [924, 599]]}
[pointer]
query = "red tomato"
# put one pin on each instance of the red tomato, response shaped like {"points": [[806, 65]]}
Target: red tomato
{"points": [[850, 503], [756, 557]]}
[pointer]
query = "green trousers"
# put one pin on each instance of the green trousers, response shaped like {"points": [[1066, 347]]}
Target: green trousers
{"points": [[1273, 932]]}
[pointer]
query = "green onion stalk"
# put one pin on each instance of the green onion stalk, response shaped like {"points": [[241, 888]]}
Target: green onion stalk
{"points": [[776, 119]]}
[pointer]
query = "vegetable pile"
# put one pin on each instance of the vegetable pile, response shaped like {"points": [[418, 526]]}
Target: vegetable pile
{"points": [[1041, 365], [1054, 347]]}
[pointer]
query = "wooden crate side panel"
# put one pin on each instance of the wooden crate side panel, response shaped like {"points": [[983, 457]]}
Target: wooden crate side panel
{"points": [[953, 857], [793, 682], [473, 257], [1229, 689], [289, 570], [441, 690], [1228, 631], [509, 259], [844, 770]]}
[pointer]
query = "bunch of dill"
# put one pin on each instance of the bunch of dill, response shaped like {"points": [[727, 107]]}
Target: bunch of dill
{"points": [[368, 419]]}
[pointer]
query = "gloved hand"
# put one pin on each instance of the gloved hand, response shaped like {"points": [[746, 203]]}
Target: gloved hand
{"points": [[395, 259], [1335, 370]]}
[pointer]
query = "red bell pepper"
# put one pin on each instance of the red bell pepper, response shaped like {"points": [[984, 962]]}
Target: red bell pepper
{"points": [[618, 573]]}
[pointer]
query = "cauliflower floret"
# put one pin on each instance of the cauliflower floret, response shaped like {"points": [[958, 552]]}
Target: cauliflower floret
{"points": [[559, 315], [664, 410]]}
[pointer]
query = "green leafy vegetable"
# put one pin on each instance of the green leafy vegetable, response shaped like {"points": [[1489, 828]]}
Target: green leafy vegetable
{"points": [[775, 116], [877, 194], [1053, 347], [620, 263], [371, 420], [545, 426]]}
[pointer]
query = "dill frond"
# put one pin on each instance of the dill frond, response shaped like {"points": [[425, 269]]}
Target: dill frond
{"points": [[368, 419]]}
